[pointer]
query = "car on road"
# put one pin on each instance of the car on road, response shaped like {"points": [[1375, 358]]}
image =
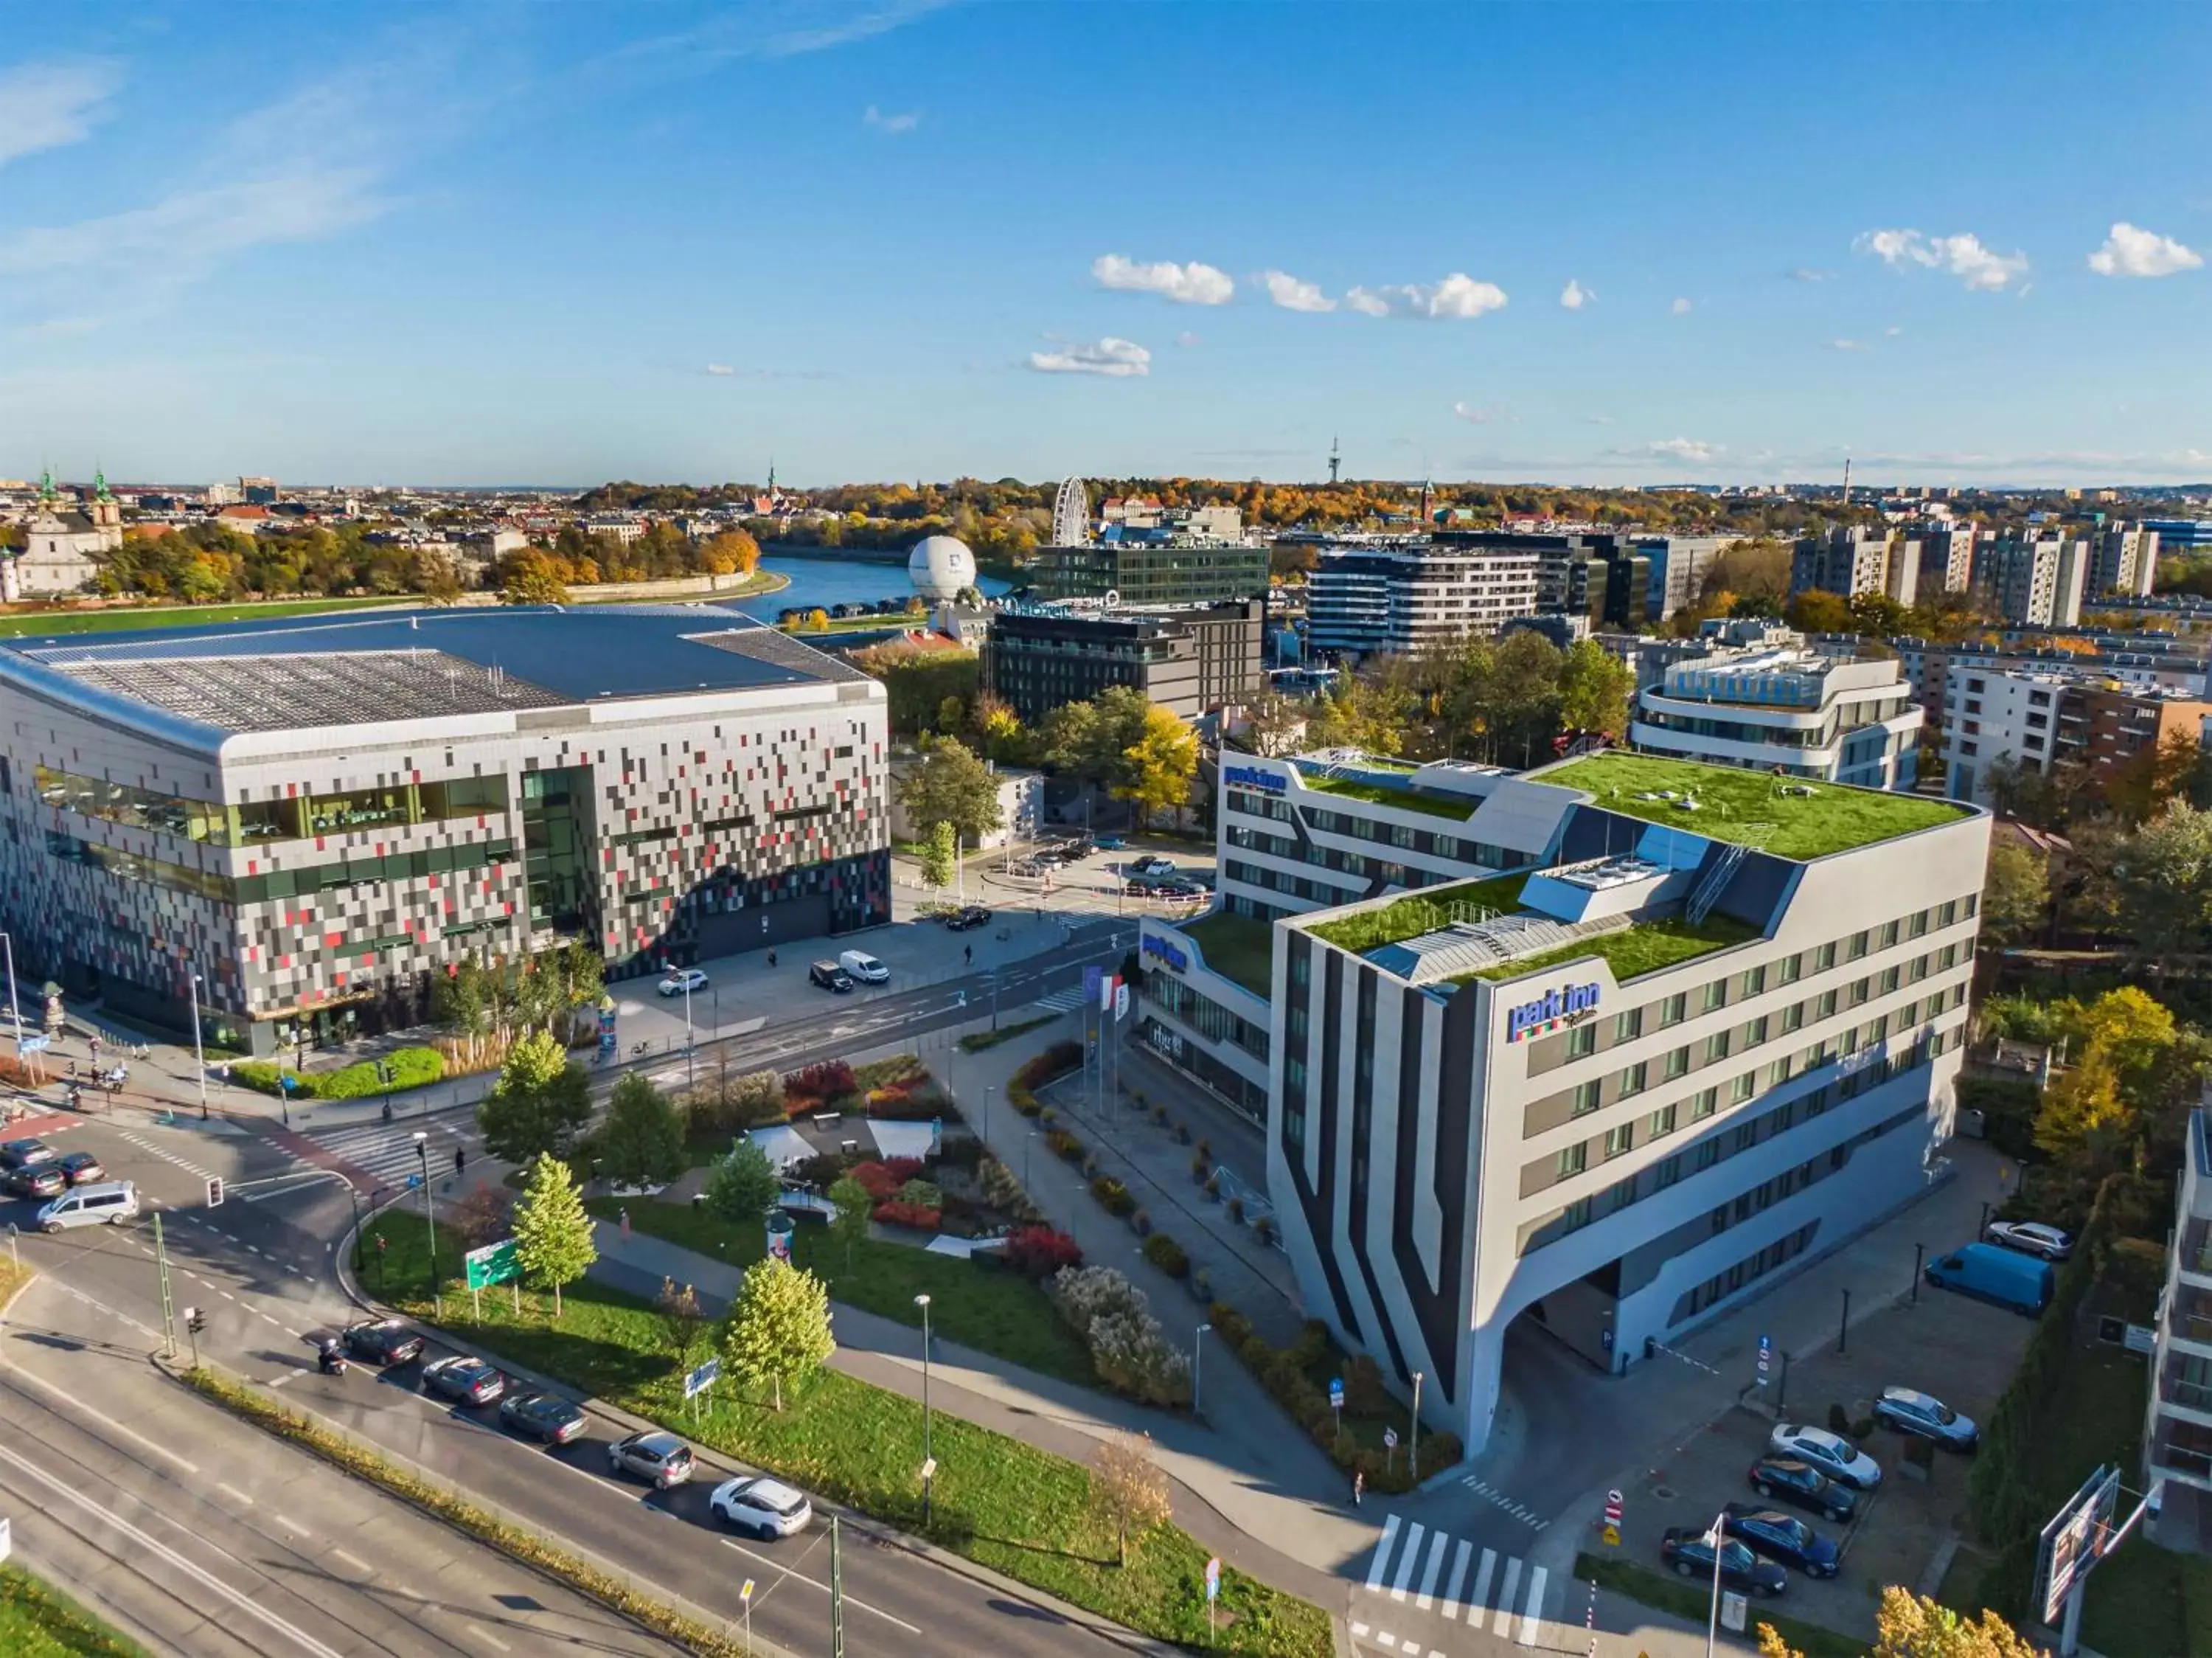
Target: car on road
{"points": [[766, 1507], [864, 967], [1832, 1454], [2031, 1238], [1151, 864], [683, 980], [465, 1379], [659, 1459], [1785, 1479], [102, 1202], [1911, 1411], [968, 916], [830, 977], [35, 1180], [16, 1154], [384, 1341], [1783, 1539], [1990, 1273], [1686, 1550], [81, 1168], [541, 1416]]}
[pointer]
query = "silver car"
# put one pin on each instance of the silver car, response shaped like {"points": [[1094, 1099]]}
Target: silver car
{"points": [[2031, 1238], [1911, 1411], [659, 1459]]}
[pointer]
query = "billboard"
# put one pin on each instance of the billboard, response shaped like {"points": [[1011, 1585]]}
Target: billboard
{"points": [[2073, 1541]]}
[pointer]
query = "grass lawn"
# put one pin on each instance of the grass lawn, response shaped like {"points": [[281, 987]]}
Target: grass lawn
{"points": [[1012, 1507], [997, 1313], [1418, 913], [40, 624], [1237, 947], [12, 1278], [1833, 819], [1643, 948], [38, 1621], [1692, 1599], [1382, 794]]}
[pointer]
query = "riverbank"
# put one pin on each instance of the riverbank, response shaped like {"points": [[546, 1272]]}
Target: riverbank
{"points": [[32, 621]]}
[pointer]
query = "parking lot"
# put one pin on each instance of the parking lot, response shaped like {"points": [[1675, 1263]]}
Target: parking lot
{"points": [[1962, 1351]]}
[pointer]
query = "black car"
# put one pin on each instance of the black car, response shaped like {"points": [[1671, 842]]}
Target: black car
{"points": [[1782, 1538], [18, 1154], [385, 1341], [464, 1379], [81, 1168], [37, 1180], [1686, 1550], [973, 915], [541, 1416], [830, 977], [1785, 1479]]}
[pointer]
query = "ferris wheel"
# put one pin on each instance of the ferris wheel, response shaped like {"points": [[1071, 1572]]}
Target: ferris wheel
{"points": [[1071, 514]]}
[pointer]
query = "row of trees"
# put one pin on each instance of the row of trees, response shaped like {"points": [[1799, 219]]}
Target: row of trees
{"points": [[208, 562], [484, 1006], [543, 575]]}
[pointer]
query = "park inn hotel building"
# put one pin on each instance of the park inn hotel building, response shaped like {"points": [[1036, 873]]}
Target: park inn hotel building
{"points": [[1608, 1046], [320, 815]]}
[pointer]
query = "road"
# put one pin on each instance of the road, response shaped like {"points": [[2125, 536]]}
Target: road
{"points": [[263, 1270]]}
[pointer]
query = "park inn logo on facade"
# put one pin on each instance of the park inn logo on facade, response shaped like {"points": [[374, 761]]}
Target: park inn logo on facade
{"points": [[1251, 776], [1166, 952], [1550, 1010]]}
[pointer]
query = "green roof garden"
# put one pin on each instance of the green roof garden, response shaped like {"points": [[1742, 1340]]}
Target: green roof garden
{"points": [[1238, 947], [1733, 803], [1417, 914], [1458, 808], [1644, 947]]}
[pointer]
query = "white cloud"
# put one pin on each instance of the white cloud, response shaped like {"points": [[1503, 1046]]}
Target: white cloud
{"points": [[1893, 333], [1117, 359], [1597, 420], [720, 369], [187, 232], [1676, 448], [1847, 345], [1293, 295], [1186, 338], [1680, 307], [1982, 270], [1458, 296], [1811, 273], [1186, 284], [49, 104], [1574, 295], [892, 124], [1475, 417], [2128, 252]]}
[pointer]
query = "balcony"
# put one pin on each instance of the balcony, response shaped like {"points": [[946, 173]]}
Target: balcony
{"points": [[2188, 1318], [2184, 1452]]}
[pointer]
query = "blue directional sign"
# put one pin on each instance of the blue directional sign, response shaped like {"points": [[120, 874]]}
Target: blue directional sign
{"points": [[1336, 1393], [1765, 1357], [32, 1043], [700, 1380]]}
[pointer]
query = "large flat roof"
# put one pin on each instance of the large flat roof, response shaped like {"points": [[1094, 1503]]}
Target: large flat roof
{"points": [[348, 668]]}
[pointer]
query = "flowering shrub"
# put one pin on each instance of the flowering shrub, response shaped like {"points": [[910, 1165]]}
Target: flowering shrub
{"points": [[914, 1215], [883, 1180], [1064, 1144], [1112, 1195], [1131, 1354], [1038, 1252], [823, 1080], [921, 1194]]}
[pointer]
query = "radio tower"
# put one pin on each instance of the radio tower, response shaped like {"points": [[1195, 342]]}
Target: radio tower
{"points": [[1335, 460]]}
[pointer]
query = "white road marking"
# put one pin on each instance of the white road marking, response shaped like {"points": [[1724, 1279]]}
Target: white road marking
{"points": [[1384, 1638], [1531, 1619], [233, 1492], [108, 1421], [1458, 1578], [355, 1561], [1407, 1561], [488, 1637], [1504, 1621], [1382, 1553], [1480, 1599], [1427, 1597], [292, 1524], [1359, 1629], [278, 1381], [778, 1567]]}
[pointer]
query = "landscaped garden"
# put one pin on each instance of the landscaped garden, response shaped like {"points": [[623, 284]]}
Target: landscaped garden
{"points": [[1237, 947]]}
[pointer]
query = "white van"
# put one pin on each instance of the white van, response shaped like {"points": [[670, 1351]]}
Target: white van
{"points": [[864, 966], [91, 1205]]}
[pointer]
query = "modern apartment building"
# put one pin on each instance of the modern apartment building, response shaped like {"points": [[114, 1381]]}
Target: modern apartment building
{"points": [[319, 815], [1946, 559], [1188, 660], [1141, 568], [2178, 1426], [2039, 718], [2035, 580], [1407, 596], [1713, 1036], [1679, 564], [1786, 709], [1851, 560], [2122, 561]]}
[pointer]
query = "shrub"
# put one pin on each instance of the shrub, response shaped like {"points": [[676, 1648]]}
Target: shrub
{"points": [[1205, 1148], [1182, 1137], [1112, 1195], [1839, 1420], [820, 1170], [1133, 1356], [1160, 1115], [1001, 1189], [900, 1070], [1201, 1285], [1089, 1167], [1236, 1208], [1040, 1068], [1167, 1254], [1064, 1144], [1363, 1393], [1046, 1116], [1038, 1252], [883, 1180], [914, 1215], [809, 1086], [922, 1194], [1264, 1229], [1198, 1168], [1213, 1183], [1311, 1346], [410, 1068], [1231, 1325], [904, 1102], [1142, 1223], [1019, 1097]]}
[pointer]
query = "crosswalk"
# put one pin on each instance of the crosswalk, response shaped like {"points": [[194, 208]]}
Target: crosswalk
{"points": [[386, 1151], [1430, 1571], [165, 1154], [1067, 1001]]}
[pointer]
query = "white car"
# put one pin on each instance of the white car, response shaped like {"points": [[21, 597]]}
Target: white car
{"points": [[2031, 1237], [683, 980], [864, 966], [1836, 1457], [767, 1508]]}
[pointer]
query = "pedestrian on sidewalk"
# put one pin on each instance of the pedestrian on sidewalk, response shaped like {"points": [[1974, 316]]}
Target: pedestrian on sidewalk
{"points": [[771, 958], [460, 1161], [968, 953], [625, 1223], [1358, 1485]]}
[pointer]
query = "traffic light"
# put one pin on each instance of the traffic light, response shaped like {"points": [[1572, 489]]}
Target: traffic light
{"points": [[195, 1321], [215, 1192]]}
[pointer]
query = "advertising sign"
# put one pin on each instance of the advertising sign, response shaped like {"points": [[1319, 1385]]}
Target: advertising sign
{"points": [[1175, 957], [700, 1380], [1550, 1010], [2073, 1541], [1251, 776]]}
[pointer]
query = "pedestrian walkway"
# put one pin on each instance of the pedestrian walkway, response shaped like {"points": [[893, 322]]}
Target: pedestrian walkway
{"points": [[1067, 1001], [377, 1156], [1481, 1588]]}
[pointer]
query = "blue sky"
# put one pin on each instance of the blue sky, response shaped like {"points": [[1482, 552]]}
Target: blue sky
{"points": [[867, 238]]}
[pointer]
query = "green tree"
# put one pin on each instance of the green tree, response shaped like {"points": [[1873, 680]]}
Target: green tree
{"points": [[2015, 893], [940, 856], [1595, 688], [1816, 610], [778, 1327], [742, 1187], [552, 1234], [952, 786], [850, 1223], [641, 1143], [681, 1319], [1161, 763], [540, 1102], [2155, 885]]}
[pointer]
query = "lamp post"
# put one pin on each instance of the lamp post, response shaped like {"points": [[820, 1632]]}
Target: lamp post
{"points": [[429, 1213], [1197, 1355], [690, 1060], [1718, 1538], [353, 1193], [928, 1453], [1843, 1329], [14, 1008], [1413, 1441], [988, 1089], [199, 1056]]}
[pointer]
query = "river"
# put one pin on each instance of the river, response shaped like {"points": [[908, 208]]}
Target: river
{"points": [[825, 583]]}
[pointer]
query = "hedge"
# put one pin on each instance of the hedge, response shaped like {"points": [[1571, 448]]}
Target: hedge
{"points": [[410, 1068], [1055, 1061], [1167, 1254]]}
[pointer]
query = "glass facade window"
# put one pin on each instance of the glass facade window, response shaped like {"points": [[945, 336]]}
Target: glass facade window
{"points": [[1618, 1141], [1628, 1026], [1675, 1008]]}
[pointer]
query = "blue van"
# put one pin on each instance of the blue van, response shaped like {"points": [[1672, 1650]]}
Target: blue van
{"points": [[2002, 1276]]}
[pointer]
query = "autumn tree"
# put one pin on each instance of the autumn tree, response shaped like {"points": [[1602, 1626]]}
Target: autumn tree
{"points": [[1161, 764], [1817, 611], [681, 1317], [1128, 1491], [952, 786], [553, 1240], [1595, 690], [529, 578], [853, 1204], [2015, 893], [778, 1327], [1909, 1625]]}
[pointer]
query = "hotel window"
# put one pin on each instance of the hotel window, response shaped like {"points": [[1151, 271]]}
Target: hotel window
{"points": [[1824, 957], [1703, 1103], [1575, 1216], [1815, 1103], [1889, 980], [1947, 914], [1778, 1072], [1861, 990], [1673, 1010], [1973, 903], [1888, 934], [1714, 996], [1628, 1026], [1582, 1041], [1742, 1137], [1677, 1065], [1708, 1154], [1631, 1081], [1588, 1097], [1958, 996], [1620, 1196], [1755, 1031], [1858, 945], [1920, 924], [1793, 1017], [1949, 957], [1791, 968], [1574, 1160], [1918, 970], [1743, 1087], [1878, 1031], [1666, 1173], [1618, 1141], [1660, 1123], [1753, 980], [1825, 1007], [1294, 1073], [1716, 1047]]}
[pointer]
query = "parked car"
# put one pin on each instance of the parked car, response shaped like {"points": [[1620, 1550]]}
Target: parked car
{"points": [[104, 1203], [1109, 843], [1783, 1539], [1785, 1479], [1151, 864], [15, 1153], [1686, 1550], [384, 1341], [1832, 1454], [973, 915], [2031, 1238], [2004, 1277], [81, 1168], [541, 1416], [864, 966], [830, 977], [683, 980], [35, 1180], [660, 1458], [464, 1379], [1913, 1413], [767, 1508]]}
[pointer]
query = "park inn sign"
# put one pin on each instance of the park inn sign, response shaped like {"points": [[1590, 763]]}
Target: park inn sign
{"points": [[1568, 1002]]}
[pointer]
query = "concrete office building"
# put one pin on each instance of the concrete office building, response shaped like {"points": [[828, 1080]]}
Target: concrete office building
{"points": [[319, 815], [1679, 564], [1625, 1092], [1403, 597], [1788, 710], [2122, 561], [1141, 568], [2038, 718], [1851, 560], [1188, 660], [2034, 580], [2178, 1426]]}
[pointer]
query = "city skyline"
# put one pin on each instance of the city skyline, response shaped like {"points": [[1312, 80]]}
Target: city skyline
{"points": [[887, 241]]}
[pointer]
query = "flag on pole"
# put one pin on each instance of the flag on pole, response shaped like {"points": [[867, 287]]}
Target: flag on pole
{"points": [[1106, 984], [1121, 1002]]}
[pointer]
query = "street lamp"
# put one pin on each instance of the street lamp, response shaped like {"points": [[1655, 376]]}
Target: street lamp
{"points": [[199, 1057], [988, 1089], [928, 1453], [1413, 1447], [1197, 1355], [690, 1063], [429, 1214], [1717, 1537], [14, 1008]]}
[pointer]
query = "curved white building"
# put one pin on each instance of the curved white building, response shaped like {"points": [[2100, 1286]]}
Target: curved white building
{"points": [[1788, 710], [941, 566]]}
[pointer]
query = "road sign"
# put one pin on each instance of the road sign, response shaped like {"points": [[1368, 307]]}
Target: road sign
{"points": [[1611, 1536], [1735, 1610], [32, 1043], [700, 1380], [1389, 1439], [215, 1192], [1765, 1357], [494, 1264], [746, 1590], [1614, 1506], [1213, 1578], [413, 1182], [7, 1537], [1336, 1393]]}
